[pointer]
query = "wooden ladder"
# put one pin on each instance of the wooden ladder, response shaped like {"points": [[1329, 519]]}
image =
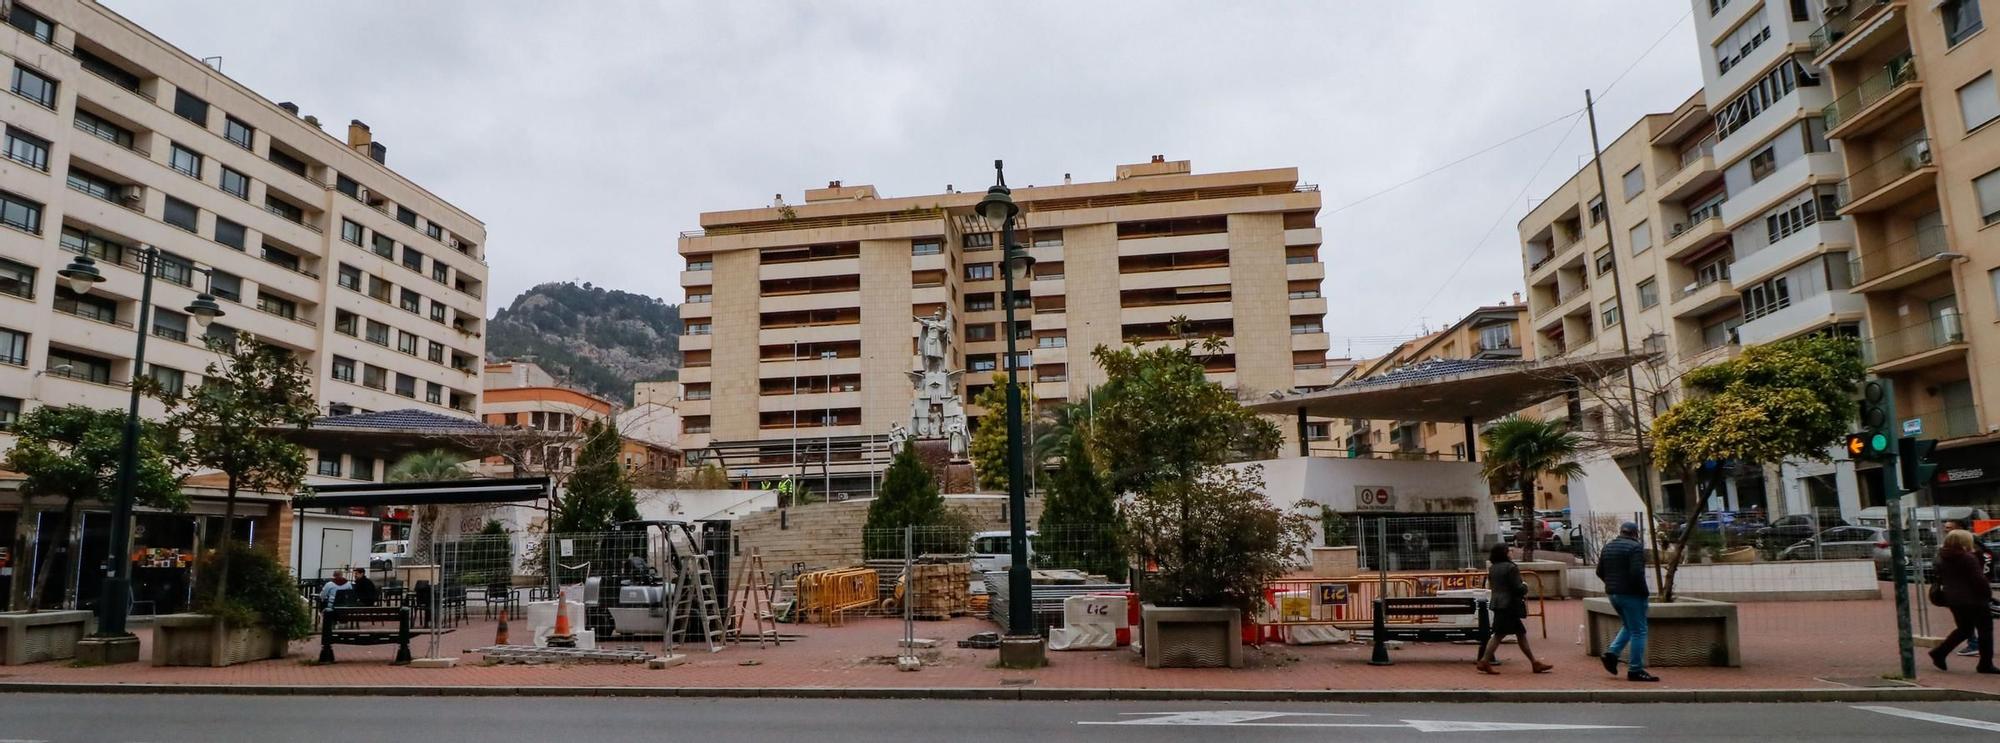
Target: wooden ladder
{"points": [[752, 604]]}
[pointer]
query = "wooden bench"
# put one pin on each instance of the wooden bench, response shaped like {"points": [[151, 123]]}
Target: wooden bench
{"points": [[331, 632], [1426, 606]]}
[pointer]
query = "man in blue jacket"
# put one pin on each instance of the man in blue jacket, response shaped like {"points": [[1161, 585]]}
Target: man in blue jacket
{"points": [[1622, 567]]}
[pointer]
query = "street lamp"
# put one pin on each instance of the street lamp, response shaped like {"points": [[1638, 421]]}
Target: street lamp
{"points": [[112, 643], [1023, 648]]}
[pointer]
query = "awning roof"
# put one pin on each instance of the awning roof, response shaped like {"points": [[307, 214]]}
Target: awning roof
{"points": [[391, 434], [1451, 390], [442, 492]]}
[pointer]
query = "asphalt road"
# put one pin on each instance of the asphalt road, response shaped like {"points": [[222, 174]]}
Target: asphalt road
{"points": [[192, 719]]}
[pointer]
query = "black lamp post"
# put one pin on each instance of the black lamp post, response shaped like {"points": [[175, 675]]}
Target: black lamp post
{"points": [[112, 643], [998, 206]]}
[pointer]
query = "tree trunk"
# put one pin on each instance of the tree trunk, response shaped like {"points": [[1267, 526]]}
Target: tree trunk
{"points": [[228, 538], [48, 560], [1678, 554], [1531, 529]]}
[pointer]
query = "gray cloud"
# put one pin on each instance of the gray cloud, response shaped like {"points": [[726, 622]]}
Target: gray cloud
{"points": [[587, 135]]}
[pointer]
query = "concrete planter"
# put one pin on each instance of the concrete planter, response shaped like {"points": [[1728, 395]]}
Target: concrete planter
{"points": [[40, 636], [192, 640], [1550, 581], [1687, 632], [1192, 637]]}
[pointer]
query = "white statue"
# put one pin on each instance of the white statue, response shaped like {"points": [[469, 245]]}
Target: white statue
{"points": [[936, 412]]}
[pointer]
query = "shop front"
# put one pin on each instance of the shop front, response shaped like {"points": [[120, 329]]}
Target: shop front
{"points": [[1968, 476]]}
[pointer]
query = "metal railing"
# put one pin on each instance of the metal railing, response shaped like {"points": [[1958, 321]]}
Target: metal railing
{"points": [[1895, 74], [1688, 157], [1926, 243], [1913, 154], [1701, 283], [1938, 331], [1840, 19]]}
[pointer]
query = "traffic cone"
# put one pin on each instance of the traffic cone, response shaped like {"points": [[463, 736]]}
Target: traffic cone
{"points": [[500, 632], [561, 637]]}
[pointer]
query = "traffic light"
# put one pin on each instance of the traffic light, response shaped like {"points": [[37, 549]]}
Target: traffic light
{"points": [[1867, 446], [1914, 457], [1876, 439]]}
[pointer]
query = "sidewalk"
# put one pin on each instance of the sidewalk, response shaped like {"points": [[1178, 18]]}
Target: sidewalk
{"points": [[1801, 645]]}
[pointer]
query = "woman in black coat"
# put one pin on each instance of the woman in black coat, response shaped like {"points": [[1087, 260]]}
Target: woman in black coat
{"points": [[1509, 604], [1969, 597]]}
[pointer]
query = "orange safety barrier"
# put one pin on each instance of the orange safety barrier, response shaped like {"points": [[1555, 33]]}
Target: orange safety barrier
{"points": [[1346, 603], [827, 595]]}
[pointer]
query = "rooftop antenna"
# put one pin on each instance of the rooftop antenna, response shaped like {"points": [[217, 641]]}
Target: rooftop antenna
{"points": [[215, 62]]}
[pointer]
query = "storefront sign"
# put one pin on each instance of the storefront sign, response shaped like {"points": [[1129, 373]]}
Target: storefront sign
{"points": [[1913, 427], [1961, 474], [1374, 498], [1332, 594]]}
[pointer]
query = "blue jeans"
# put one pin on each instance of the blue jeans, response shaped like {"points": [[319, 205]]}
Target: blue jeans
{"points": [[1631, 611]]}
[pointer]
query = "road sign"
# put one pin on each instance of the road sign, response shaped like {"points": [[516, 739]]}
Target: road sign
{"points": [[1374, 498], [1913, 427]]}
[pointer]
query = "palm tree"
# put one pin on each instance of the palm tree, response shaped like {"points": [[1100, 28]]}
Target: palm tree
{"points": [[1524, 449], [426, 466]]}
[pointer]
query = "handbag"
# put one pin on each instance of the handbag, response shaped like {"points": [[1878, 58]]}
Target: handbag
{"points": [[1937, 594]]}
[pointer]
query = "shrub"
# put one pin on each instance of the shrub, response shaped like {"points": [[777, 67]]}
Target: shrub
{"points": [[260, 594], [1213, 540]]}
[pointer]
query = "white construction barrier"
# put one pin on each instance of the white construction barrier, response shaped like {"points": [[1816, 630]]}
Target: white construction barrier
{"points": [[1089, 623]]}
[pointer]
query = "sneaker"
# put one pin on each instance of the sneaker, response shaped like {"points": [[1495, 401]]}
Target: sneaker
{"points": [[1610, 663], [1640, 676], [1967, 652]]}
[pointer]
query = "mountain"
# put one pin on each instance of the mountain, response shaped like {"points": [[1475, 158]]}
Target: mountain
{"points": [[595, 339]]}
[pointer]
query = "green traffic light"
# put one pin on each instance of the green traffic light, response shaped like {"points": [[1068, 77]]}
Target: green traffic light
{"points": [[1878, 443]]}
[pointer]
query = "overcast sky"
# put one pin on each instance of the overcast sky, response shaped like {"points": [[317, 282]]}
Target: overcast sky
{"points": [[587, 135]]}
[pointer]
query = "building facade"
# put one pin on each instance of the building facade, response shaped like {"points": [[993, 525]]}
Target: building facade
{"points": [[1494, 332], [799, 318], [522, 395], [1914, 110]]}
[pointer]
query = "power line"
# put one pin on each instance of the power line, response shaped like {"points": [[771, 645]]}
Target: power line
{"points": [[1447, 166]]}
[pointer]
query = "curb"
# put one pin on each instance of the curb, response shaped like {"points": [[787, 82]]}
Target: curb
{"points": [[1031, 694]]}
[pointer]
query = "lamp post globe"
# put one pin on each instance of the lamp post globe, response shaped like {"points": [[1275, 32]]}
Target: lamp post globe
{"points": [[81, 274], [203, 309]]}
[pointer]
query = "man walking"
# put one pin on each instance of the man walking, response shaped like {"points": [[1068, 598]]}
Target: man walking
{"points": [[1622, 567]]}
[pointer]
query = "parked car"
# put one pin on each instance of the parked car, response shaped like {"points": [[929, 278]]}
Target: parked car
{"points": [[992, 551], [1841, 543], [1791, 529], [388, 555], [1927, 516]]}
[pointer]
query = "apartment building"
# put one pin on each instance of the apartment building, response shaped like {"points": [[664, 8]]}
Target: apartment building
{"points": [[115, 139], [521, 394], [1490, 333], [1914, 110], [799, 318]]}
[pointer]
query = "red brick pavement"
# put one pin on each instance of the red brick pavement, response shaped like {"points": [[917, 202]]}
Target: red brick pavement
{"points": [[1786, 645]]}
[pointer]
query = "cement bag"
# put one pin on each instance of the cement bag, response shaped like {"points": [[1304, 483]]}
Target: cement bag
{"points": [[1316, 634], [1089, 623]]}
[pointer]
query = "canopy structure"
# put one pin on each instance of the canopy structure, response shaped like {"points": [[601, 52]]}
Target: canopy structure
{"points": [[435, 493], [389, 435], [1451, 390]]}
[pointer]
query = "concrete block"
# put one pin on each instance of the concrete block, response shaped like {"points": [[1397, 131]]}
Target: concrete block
{"points": [[666, 661], [434, 663]]}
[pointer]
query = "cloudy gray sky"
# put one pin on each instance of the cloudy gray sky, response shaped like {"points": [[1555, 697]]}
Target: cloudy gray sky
{"points": [[587, 134]]}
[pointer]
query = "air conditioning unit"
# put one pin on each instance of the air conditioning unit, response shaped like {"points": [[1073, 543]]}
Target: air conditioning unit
{"points": [[132, 194]]}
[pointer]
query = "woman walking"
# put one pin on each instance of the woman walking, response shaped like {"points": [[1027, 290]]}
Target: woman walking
{"points": [[1969, 597], [1509, 604]]}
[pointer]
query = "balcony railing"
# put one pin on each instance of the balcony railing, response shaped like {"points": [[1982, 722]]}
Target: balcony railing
{"points": [[1943, 329], [1895, 74], [1925, 244], [1695, 218], [1913, 154], [1688, 157], [1700, 284], [1949, 423], [1841, 19]]}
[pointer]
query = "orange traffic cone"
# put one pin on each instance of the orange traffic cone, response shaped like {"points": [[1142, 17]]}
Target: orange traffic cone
{"points": [[500, 632], [561, 637]]}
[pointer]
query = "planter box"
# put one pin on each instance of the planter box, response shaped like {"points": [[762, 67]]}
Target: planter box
{"points": [[1192, 637], [1550, 581], [1687, 632], [40, 636], [190, 640]]}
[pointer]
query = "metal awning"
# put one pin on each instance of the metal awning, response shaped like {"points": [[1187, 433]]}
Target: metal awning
{"points": [[436, 493], [1452, 390]]}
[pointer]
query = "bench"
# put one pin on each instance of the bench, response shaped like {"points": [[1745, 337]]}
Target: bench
{"points": [[331, 632], [1426, 606]]}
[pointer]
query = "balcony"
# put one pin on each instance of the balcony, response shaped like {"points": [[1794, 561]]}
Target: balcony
{"points": [[698, 278], [805, 301], [1754, 264], [1566, 304], [1313, 271], [1753, 200], [1842, 19], [1934, 340], [809, 269], [1302, 237], [1173, 244], [1162, 313], [1703, 297], [1948, 423], [1174, 277], [1695, 171], [1311, 342], [1891, 180], [1875, 101], [1801, 315], [1315, 306], [1920, 256], [1702, 228]]}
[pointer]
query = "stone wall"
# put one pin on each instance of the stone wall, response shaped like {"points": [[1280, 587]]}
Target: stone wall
{"points": [[828, 535]]}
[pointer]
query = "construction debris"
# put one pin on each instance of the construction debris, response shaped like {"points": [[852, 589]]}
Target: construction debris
{"points": [[530, 654]]}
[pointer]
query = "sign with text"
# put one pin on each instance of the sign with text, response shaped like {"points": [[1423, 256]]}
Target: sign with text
{"points": [[1332, 594], [1374, 498]]}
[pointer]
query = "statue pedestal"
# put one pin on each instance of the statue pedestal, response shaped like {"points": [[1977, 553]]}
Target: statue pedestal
{"points": [[952, 474]]}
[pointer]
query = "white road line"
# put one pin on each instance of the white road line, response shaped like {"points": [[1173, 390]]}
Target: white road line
{"points": [[1992, 727]]}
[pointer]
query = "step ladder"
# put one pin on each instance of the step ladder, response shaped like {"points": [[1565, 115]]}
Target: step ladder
{"points": [[751, 605], [695, 609]]}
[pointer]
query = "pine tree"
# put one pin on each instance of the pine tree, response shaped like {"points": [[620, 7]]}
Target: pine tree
{"points": [[599, 495], [1080, 525], [909, 495]]}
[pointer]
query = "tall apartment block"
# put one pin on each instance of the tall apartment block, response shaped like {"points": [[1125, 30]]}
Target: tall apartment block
{"points": [[799, 317], [116, 139]]}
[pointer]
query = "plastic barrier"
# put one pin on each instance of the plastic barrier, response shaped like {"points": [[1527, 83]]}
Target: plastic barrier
{"points": [[1090, 623], [827, 595]]}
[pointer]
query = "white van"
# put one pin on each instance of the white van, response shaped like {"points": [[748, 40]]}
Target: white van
{"points": [[992, 551]]}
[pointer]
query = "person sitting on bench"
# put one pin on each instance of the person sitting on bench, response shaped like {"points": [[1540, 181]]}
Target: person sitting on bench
{"points": [[365, 592], [335, 592]]}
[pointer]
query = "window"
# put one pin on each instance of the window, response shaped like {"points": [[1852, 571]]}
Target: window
{"points": [[231, 234], [84, 243], [170, 325], [27, 149], [13, 347], [1988, 189], [1799, 212], [1961, 19], [288, 210], [1739, 43], [700, 328], [104, 68], [378, 333], [174, 269], [343, 368], [237, 132], [20, 213], [383, 246], [978, 302], [434, 230], [235, 184], [32, 23], [982, 332], [410, 301], [86, 306], [350, 230], [350, 277], [1052, 341], [374, 376], [96, 126], [225, 285], [329, 465], [1640, 238], [1763, 164], [983, 363], [440, 273], [377, 288], [34, 86], [700, 263], [406, 343], [169, 380], [17, 279], [1994, 275], [1496, 337], [1308, 327], [404, 215], [1765, 298], [979, 272], [287, 161], [406, 385], [1774, 85], [180, 214], [1978, 102], [92, 185], [436, 352], [276, 305], [1635, 182], [1596, 209], [1608, 312], [347, 186], [79, 366], [1604, 261], [979, 241], [221, 335], [191, 108], [413, 260], [433, 393], [363, 468], [1649, 294], [187, 162], [926, 247], [344, 322]]}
